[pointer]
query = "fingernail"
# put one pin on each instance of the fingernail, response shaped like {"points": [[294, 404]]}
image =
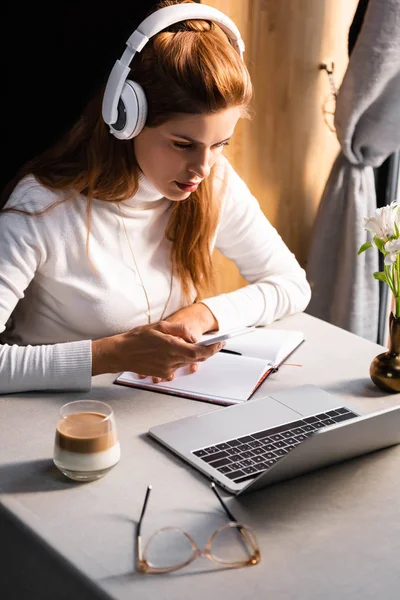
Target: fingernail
{"points": [[222, 345]]}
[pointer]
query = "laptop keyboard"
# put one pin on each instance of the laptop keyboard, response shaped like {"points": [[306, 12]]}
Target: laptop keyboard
{"points": [[246, 457]]}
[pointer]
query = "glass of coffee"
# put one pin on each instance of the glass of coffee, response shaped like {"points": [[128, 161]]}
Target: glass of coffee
{"points": [[86, 443]]}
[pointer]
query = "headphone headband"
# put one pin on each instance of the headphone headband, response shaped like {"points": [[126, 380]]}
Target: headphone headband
{"points": [[152, 25], [169, 15]]}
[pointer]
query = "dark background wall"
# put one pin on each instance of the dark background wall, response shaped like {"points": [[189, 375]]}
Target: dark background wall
{"points": [[54, 56]]}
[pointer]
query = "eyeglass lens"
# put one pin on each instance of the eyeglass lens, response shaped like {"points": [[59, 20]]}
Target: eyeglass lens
{"points": [[172, 547]]}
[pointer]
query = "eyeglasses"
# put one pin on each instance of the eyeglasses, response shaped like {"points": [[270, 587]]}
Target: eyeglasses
{"points": [[171, 548]]}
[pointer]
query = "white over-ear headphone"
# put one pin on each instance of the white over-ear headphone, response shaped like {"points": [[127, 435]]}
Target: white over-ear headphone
{"points": [[124, 103]]}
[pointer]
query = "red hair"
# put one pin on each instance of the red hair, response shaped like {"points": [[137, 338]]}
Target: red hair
{"points": [[191, 67]]}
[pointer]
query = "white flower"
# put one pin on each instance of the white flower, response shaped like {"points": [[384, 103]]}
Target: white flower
{"points": [[393, 249], [382, 221]]}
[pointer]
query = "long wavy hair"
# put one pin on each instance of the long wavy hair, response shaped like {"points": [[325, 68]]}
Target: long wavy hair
{"points": [[190, 67]]}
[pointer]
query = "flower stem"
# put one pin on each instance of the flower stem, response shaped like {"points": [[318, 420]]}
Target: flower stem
{"points": [[390, 279], [397, 285], [397, 308]]}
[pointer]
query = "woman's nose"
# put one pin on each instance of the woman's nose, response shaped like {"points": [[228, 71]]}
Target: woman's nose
{"points": [[201, 164]]}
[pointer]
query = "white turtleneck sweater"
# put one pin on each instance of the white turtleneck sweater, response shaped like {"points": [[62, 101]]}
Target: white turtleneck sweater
{"points": [[55, 298]]}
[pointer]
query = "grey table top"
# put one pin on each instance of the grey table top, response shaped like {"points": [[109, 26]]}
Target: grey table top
{"points": [[330, 534]]}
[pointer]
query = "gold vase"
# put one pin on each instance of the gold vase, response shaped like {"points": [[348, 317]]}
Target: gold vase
{"points": [[385, 368]]}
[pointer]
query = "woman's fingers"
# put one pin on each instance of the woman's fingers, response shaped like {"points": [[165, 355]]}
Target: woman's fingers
{"points": [[202, 353], [178, 330], [159, 350]]}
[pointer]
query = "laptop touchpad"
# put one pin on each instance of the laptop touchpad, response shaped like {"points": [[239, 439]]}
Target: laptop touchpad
{"points": [[308, 399]]}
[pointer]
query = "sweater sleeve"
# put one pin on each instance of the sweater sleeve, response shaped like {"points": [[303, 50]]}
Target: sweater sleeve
{"points": [[64, 366], [277, 284]]}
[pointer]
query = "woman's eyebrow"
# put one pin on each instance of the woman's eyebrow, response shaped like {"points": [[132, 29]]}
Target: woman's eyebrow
{"points": [[193, 141]]}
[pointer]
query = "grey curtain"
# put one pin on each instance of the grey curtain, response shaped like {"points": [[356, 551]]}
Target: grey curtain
{"points": [[367, 121]]}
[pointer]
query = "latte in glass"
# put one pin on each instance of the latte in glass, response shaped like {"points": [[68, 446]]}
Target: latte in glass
{"points": [[86, 442]]}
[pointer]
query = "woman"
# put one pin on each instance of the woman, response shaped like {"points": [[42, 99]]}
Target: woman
{"points": [[106, 244]]}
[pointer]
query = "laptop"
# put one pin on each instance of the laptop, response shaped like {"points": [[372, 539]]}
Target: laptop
{"points": [[249, 446]]}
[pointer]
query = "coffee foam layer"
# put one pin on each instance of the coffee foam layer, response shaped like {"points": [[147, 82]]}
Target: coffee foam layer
{"points": [[94, 461]]}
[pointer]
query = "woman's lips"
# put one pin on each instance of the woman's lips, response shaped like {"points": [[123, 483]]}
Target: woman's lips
{"points": [[187, 187]]}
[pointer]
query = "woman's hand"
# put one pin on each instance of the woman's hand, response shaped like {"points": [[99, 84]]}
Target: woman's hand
{"points": [[156, 350], [198, 319]]}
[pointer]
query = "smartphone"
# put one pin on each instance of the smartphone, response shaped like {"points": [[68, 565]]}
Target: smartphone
{"points": [[221, 337]]}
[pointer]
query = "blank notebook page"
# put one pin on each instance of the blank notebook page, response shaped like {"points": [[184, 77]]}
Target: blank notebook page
{"points": [[223, 375]]}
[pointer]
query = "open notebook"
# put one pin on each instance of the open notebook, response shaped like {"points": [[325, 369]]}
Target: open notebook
{"points": [[232, 375]]}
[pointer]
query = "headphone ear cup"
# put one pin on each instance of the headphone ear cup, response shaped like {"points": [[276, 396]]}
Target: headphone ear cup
{"points": [[132, 111]]}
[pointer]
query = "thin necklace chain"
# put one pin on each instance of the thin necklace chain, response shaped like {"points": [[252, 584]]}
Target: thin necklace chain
{"points": [[140, 277]]}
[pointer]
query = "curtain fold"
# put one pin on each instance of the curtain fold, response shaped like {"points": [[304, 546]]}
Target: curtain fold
{"points": [[367, 121]]}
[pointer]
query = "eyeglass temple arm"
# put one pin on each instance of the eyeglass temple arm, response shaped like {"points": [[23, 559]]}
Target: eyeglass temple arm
{"points": [[226, 509], [139, 526], [146, 499]]}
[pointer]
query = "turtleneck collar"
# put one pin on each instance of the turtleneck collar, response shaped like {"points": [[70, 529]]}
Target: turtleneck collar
{"points": [[146, 196]]}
